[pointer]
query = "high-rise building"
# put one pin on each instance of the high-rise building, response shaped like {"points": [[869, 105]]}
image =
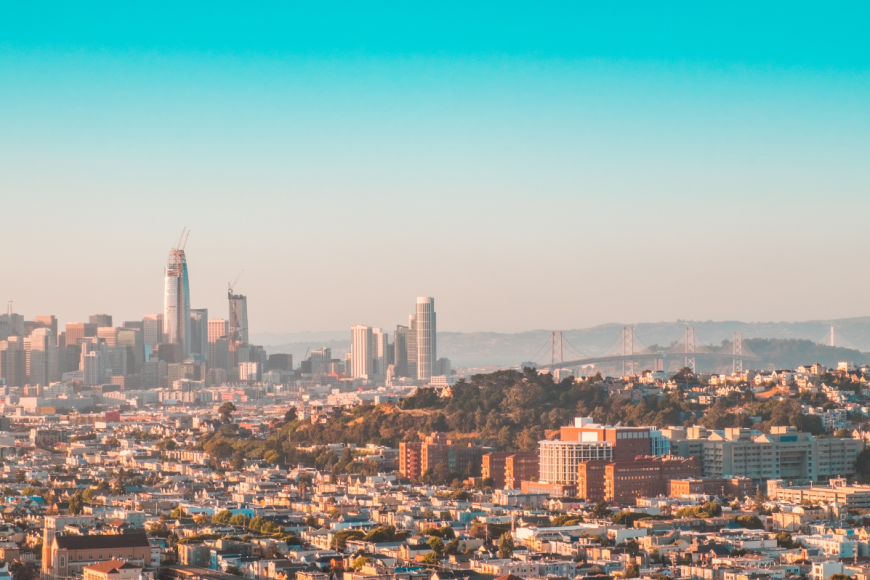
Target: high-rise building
{"points": [[400, 350], [176, 302], [411, 347], [199, 331], [47, 321], [131, 339], [11, 324], [380, 351], [217, 328], [361, 351], [76, 331], [237, 327], [93, 368], [152, 330], [426, 351], [13, 361], [100, 319], [108, 334], [44, 363]]}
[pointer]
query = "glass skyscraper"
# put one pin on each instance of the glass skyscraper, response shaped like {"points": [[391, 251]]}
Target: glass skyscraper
{"points": [[176, 302]]}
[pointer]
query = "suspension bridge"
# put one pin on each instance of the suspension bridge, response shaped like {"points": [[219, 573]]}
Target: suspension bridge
{"points": [[634, 356]]}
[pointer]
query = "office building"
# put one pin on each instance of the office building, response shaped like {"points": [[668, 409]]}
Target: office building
{"points": [[45, 365], [100, 319], [558, 460], [199, 332], [411, 347], [109, 334], [400, 351], [93, 368], [217, 328], [132, 340], [250, 371], [784, 453], [361, 355], [76, 331], [426, 343], [176, 302], [47, 321], [281, 362], [380, 351], [152, 330], [13, 361]]}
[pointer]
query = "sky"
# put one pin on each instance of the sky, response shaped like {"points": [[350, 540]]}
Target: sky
{"points": [[530, 165]]}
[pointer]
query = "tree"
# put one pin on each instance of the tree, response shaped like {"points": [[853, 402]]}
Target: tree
{"points": [[506, 545], [358, 564], [840, 577], [431, 558], [632, 571], [600, 510], [290, 415], [436, 544], [226, 411], [750, 522], [176, 513], [255, 524], [222, 517], [784, 540], [269, 528], [76, 504], [339, 539], [239, 520]]}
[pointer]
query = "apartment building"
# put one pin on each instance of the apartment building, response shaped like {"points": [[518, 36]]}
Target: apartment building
{"points": [[783, 453]]}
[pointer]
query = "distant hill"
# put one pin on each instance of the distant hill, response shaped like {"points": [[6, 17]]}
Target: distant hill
{"points": [[851, 337]]}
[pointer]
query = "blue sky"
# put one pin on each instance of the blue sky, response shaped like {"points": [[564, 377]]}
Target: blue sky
{"points": [[531, 166]]}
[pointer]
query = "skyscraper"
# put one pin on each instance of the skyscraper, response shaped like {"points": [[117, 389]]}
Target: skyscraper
{"points": [[100, 319], [44, 362], [400, 349], [238, 327], [411, 348], [176, 301], [426, 352], [380, 351], [361, 351], [199, 331], [152, 330]]}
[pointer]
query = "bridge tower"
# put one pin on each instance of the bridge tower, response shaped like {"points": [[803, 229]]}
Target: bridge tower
{"points": [[690, 347], [556, 347], [737, 350], [627, 350]]}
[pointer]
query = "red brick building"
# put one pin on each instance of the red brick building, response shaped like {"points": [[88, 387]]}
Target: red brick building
{"points": [[590, 479], [508, 468], [628, 442], [520, 467], [416, 458], [624, 481]]}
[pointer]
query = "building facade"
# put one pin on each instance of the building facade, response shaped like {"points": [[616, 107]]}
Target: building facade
{"points": [[426, 343], [176, 301]]}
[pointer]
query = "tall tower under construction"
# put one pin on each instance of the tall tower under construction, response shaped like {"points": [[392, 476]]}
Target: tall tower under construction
{"points": [[176, 299], [238, 325]]}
